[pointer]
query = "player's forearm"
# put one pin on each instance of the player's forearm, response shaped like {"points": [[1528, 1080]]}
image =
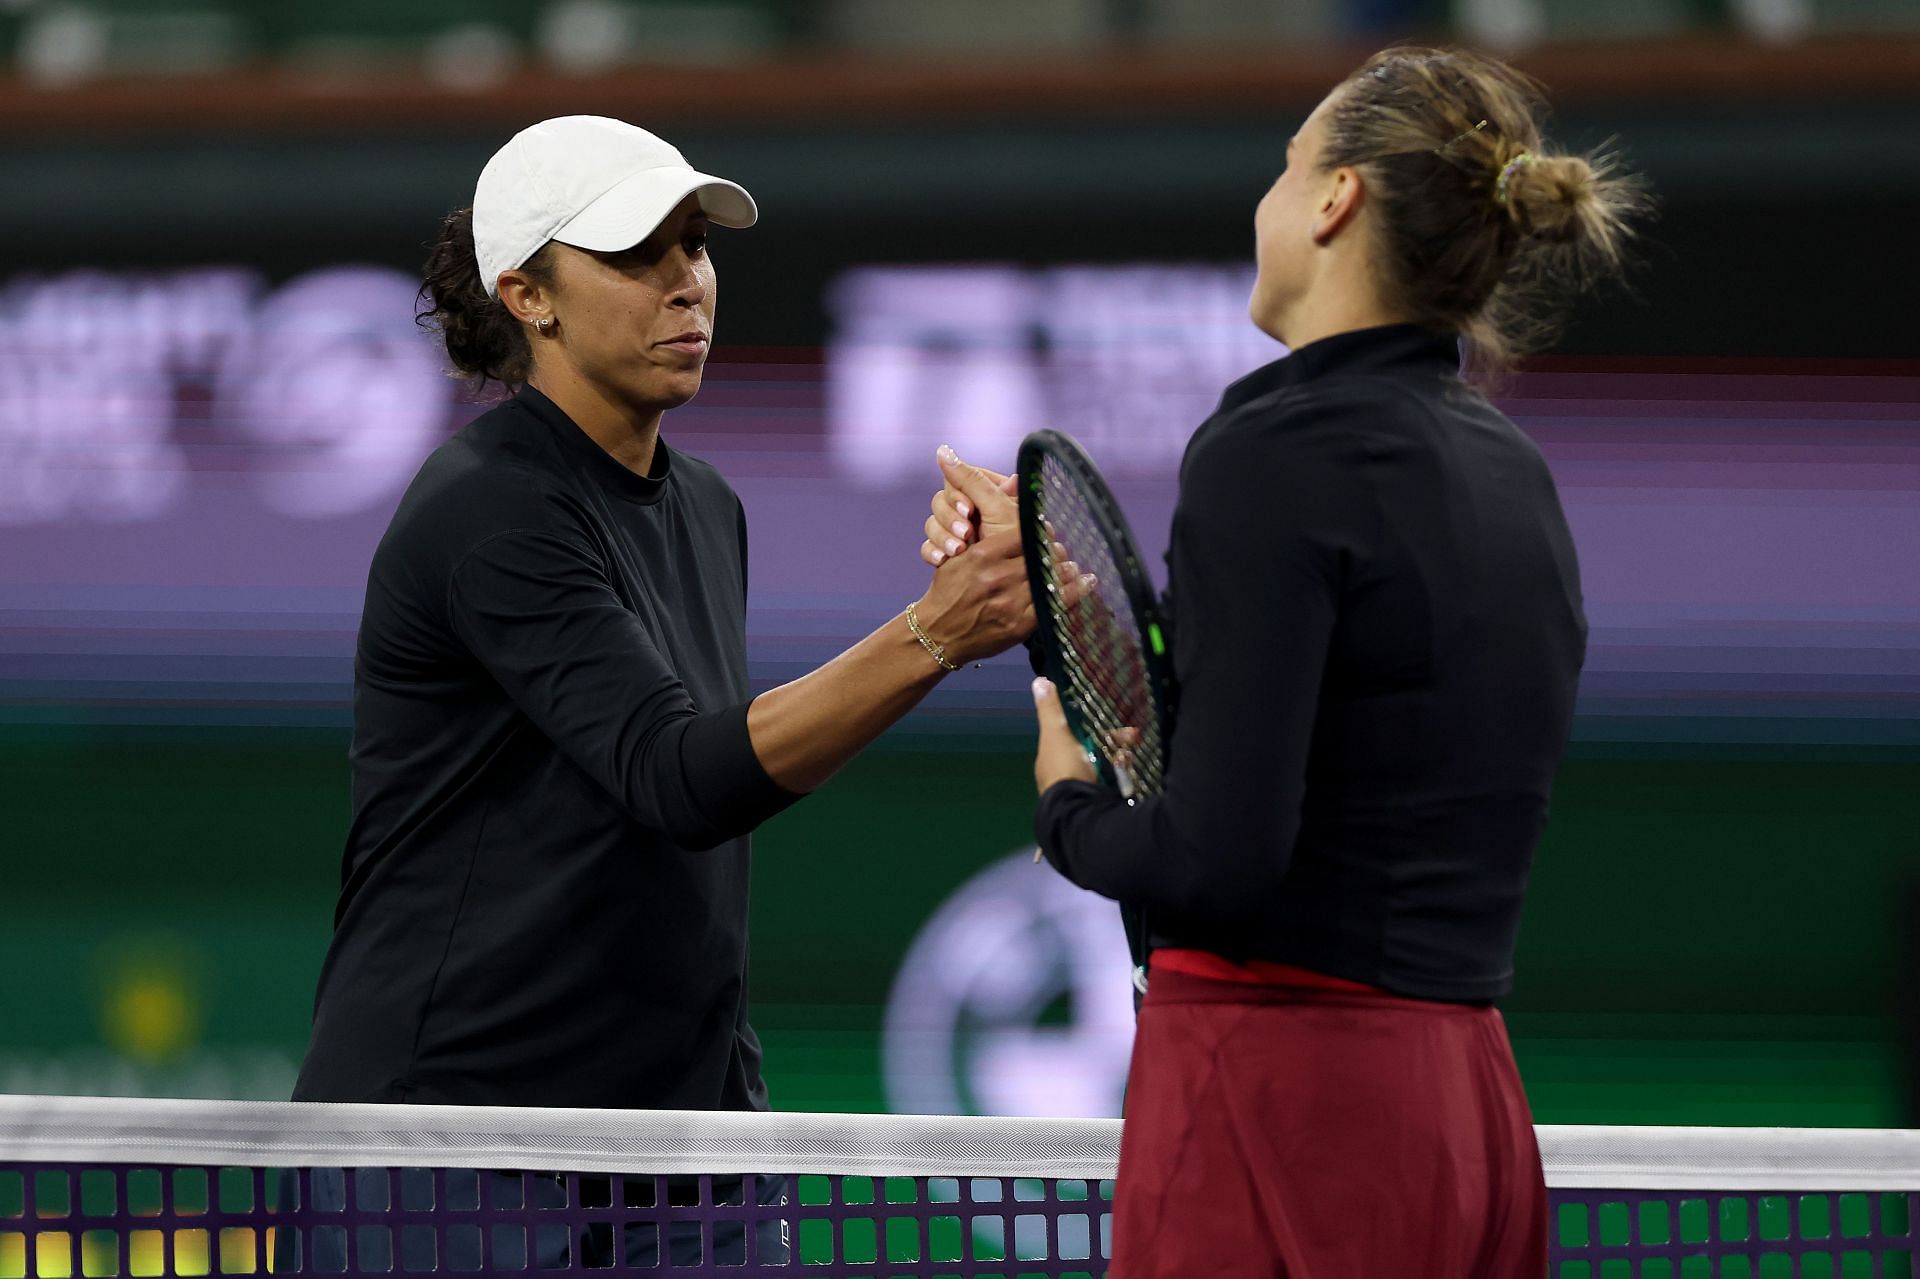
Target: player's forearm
{"points": [[977, 605], [1206, 856], [804, 731]]}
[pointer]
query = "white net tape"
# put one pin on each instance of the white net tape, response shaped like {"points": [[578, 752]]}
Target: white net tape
{"points": [[274, 1134], [87, 1129]]}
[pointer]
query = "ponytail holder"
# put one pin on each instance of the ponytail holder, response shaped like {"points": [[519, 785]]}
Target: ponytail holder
{"points": [[1506, 176]]}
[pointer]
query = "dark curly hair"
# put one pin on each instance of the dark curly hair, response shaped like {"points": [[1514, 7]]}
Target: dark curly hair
{"points": [[484, 340]]}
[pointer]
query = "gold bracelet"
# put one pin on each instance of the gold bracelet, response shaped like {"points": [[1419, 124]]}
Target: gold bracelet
{"points": [[939, 651]]}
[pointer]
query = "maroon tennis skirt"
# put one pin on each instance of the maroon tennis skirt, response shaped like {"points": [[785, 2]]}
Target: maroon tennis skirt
{"points": [[1317, 1129]]}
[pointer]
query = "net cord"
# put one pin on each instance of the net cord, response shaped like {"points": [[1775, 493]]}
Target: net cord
{"points": [[74, 1130]]}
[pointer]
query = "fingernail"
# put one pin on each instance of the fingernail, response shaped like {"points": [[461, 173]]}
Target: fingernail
{"points": [[939, 558], [953, 547], [961, 528], [1042, 689], [947, 454], [962, 506]]}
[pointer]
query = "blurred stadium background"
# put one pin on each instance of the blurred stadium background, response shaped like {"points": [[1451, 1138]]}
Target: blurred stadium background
{"points": [[980, 216]]}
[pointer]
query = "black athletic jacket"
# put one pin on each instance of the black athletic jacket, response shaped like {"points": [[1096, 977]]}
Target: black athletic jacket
{"points": [[1378, 633], [544, 889]]}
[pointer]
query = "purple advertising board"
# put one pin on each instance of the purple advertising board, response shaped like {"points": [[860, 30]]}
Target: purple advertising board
{"points": [[196, 466]]}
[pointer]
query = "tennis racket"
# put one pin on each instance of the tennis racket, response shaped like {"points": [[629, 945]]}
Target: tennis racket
{"points": [[1100, 633]]}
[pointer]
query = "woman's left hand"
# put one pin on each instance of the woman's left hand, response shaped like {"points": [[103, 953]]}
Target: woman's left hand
{"points": [[1061, 757]]}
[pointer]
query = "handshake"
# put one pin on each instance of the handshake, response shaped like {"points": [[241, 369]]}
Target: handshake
{"points": [[979, 604]]}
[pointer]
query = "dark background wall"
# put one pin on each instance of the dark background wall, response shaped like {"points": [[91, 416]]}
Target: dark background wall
{"points": [[1778, 233]]}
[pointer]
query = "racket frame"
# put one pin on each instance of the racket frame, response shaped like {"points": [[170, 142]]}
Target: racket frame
{"points": [[1155, 643]]}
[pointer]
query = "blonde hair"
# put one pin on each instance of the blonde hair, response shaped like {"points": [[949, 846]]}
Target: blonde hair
{"points": [[1484, 229]]}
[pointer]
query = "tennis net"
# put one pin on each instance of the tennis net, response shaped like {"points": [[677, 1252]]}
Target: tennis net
{"points": [[92, 1186]]}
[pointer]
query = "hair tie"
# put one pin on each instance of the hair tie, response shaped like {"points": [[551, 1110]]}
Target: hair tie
{"points": [[1506, 175]]}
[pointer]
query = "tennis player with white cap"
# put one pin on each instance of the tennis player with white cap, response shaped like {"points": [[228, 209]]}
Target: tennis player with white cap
{"points": [[556, 761]]}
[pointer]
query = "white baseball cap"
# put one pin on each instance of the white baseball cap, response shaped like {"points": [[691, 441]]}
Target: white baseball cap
{"points": [[591, 182]]}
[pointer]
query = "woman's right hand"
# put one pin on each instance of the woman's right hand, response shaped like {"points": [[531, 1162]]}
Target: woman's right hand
{"points": [[978, 603]]}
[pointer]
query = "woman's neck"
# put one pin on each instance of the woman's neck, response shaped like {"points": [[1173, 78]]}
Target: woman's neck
{"points": [[1341, 294], [629, 436], [1325, 312]]}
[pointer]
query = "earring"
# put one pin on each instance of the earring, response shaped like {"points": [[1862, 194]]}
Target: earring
{"points": [[542, 324]]}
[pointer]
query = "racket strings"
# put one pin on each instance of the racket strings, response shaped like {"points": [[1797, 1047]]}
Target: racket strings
{"points": [[1138, 764], [1105, 705], [1110, 712], [1099, 637]]}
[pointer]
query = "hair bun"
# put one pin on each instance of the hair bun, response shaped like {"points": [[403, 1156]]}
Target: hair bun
{"points": [[1551, 197], [1483, 228]]}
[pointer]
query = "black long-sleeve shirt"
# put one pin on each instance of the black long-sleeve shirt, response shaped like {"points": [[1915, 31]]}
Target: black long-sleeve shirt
{"points": [[544, 888], [1378, 631]]}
